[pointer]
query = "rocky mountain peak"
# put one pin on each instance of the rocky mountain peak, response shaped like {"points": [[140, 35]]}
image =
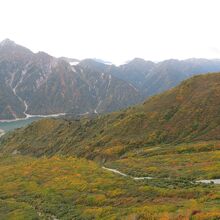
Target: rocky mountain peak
{"points": [[7, 42]]}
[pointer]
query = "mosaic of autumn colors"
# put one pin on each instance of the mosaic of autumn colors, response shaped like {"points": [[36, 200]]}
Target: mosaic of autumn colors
{"points": [[149, 161]]}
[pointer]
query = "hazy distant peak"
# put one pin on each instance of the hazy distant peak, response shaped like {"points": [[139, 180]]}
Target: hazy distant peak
{"points": [[102, 61], [11, 51], [71, 61], [7, 42], [90, 61], [139, 61], [43, 55]]}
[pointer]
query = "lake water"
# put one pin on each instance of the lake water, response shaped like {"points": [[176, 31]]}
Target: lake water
{"points": [[7, 125], [11, 125]]}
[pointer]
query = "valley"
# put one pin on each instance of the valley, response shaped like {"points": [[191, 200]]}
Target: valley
{"points": [[109, 110], [155, 160]]}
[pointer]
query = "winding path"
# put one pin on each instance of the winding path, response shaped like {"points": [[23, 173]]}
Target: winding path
{"points": [[125, 175], [215, 181]]}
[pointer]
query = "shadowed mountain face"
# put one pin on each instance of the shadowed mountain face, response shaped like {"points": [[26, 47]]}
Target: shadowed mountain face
{"points": [[187, 113], [41, 84]]}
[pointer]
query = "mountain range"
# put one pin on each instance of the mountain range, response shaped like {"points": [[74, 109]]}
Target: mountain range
{"points": [[40, 84], [152, 78], [155, 160]]}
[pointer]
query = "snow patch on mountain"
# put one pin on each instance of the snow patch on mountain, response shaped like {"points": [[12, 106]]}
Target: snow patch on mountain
{"points": [[74, 63]]}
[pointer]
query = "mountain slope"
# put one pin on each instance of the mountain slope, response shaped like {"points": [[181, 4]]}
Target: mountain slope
{"points": [[41, 84], [111, 91], [37, 83], [153, 78], [189, 112]]}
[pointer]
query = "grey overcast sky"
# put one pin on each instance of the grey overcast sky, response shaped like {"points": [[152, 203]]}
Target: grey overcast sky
{"points": [[114, 30]]}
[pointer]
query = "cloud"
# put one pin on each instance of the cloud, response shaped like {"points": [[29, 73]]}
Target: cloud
{"points": [[114, 30], [215, 51]]}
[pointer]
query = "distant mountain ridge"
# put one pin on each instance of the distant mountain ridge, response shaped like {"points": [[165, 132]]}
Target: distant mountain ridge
{"points": [[152, 78], [40, 84]]}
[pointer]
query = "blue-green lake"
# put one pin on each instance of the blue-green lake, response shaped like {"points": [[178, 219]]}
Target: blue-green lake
{"points": [[11, 125]]}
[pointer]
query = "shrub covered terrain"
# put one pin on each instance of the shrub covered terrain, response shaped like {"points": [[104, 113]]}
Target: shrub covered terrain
{"points": [[53, 169], [69, 188]]}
